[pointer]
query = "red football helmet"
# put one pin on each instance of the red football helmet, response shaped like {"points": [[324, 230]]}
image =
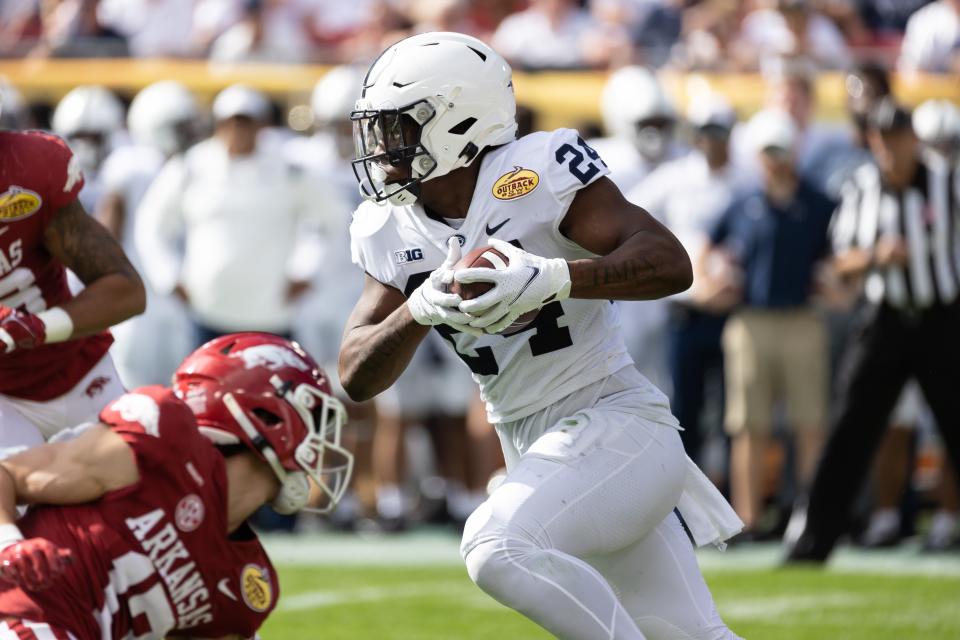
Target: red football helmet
{"points": [[269, 394]]}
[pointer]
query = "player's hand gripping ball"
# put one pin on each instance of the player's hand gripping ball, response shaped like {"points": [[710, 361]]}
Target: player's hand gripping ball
{"points": [[487, 258]]}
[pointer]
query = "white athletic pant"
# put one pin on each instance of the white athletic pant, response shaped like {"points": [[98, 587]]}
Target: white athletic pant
{"points": [[581, 536], [25, 423]]}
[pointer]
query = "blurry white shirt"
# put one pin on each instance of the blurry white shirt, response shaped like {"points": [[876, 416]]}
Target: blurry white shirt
{"points": [[128, 172], [767, 30], [248, 226], [528, 39], [153, 28], [627, 167], [687, 197], [931, 39]]}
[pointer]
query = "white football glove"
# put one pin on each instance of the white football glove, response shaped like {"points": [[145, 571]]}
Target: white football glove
{"points": [[19, 289], [526, 284], [430, 304]]}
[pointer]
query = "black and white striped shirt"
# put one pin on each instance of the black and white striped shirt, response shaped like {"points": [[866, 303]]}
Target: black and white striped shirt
{"points": [[925, 215]]}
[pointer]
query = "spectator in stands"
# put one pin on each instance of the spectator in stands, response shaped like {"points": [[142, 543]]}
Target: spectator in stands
{"points": [[709, 31], [268, 31], [886, 19], [932, 40], [547, 35], [152, 29], [775, 343], [688, 195], [791, 28], [250, 225], [73, 29]]}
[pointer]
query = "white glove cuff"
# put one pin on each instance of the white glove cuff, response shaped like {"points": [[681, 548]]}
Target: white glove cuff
{"points": [[57, 323], [563, 277], [10, 535]]}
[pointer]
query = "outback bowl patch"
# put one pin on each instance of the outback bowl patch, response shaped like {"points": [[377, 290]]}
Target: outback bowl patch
{"points": [[515, 184], [256, 590], [16, 203]]}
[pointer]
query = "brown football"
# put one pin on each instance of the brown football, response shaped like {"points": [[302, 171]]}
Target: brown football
{"points": [[488, 258]]}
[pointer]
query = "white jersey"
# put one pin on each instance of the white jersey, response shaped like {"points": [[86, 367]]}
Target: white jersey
{"points": [[523, 192]]}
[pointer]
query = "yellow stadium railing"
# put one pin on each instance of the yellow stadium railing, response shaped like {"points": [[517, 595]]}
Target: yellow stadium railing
{"points": [[559, 98]]}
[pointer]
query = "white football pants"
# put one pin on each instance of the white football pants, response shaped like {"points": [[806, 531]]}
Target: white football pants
{"points": [[581, 537], [25, 423]]}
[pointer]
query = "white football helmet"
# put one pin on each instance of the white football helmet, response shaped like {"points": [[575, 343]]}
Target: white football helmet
{"points": [[164, 115], [88, 109], [335, 94], [87, 117], [431, 102], [636, 108], [937, 125]]}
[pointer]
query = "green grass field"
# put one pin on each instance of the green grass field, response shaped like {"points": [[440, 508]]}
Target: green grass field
{"points": [[413, 589]]}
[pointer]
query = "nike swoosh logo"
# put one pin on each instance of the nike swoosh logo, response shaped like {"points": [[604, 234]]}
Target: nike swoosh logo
{"points": [[493, 230], [536, 272], [224, 587]]}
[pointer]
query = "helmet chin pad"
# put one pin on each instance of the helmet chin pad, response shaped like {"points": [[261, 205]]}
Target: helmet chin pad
{"points": [[293, 495]]}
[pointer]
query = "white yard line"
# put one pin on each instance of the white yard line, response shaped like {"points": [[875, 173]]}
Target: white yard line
{"points": [[318, 599], [438, 549]]}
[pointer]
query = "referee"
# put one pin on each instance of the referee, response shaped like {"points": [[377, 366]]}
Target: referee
{"points": [[897, 228]]}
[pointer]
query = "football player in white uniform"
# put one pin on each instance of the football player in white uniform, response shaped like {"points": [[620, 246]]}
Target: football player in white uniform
{"points": [[583, 536]]}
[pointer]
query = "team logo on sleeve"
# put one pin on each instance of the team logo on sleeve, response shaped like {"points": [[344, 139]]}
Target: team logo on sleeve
{"points": [[515, 184], [17, 202], [256, 590]]}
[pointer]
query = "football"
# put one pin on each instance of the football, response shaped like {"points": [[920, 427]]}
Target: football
{"points": [[487, 258]]}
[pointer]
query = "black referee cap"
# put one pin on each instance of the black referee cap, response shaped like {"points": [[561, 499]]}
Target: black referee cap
{"points": [[889, 116]]}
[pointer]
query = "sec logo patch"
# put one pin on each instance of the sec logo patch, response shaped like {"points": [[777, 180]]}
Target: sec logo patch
{"points": [[256, 589], [515, 184], [16, 203], [190, 512]]}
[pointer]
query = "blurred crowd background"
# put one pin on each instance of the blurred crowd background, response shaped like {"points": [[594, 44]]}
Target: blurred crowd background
{"points": [[234, 201]]}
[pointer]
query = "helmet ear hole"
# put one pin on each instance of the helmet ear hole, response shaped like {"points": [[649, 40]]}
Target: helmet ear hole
{"points": [[462, 127], [267, 417]]}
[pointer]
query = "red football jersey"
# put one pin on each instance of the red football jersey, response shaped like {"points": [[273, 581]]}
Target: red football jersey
{"points": [[153, 559], [39, 175]]}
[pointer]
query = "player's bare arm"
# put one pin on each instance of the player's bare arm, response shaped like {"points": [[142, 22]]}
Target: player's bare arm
{"points": [[379, 340], [640, 258], [72, 471], [69, 472], [114, 291]]}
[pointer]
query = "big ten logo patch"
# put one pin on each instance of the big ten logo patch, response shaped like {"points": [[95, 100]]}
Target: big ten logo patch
{"points": [[515, 184], [255, 587], [408, 255]]}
